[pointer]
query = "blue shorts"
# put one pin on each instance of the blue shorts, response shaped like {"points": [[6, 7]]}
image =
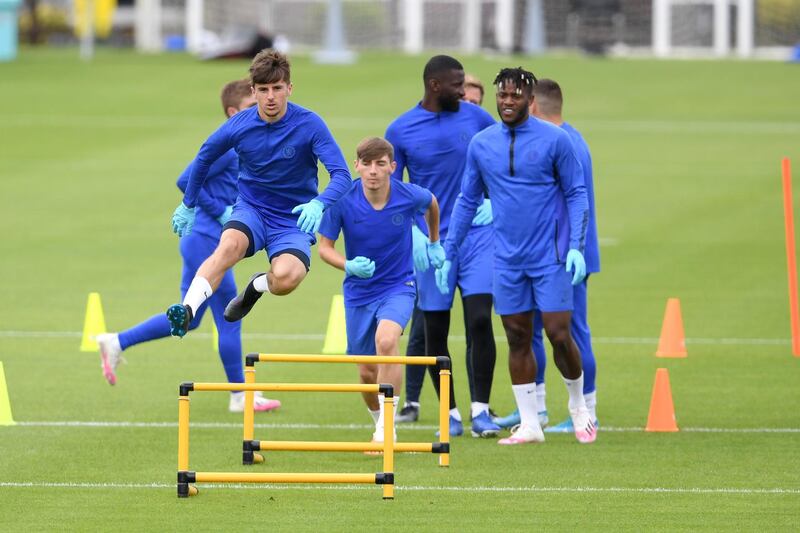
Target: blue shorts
{"points": [[267, 231], [471, 272], [362, 321], [520, 291]]}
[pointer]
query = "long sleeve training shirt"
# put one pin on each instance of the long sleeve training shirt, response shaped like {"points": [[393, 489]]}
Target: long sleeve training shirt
{"points": [[433, 148], [538, 194], [277, 161]]}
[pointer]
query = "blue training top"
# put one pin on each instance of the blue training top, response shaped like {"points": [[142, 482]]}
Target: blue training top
{"points": [[277, 161], [383, 236], [592, 254], [433, 146], [529, 171], [218, 192]]}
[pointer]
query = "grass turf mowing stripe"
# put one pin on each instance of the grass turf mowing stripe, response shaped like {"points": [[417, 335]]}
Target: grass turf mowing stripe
{"points": [[421, 488], [418, 427], [321, 336]]}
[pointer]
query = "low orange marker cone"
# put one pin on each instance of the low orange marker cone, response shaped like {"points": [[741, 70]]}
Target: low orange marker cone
{"points": [[672, 342], [662, 411]]}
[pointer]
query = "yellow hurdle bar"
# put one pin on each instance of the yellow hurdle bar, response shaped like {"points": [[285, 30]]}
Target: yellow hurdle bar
{"points": [[187, 477], [362, 359], [442, 447], [388, 445], [444, 415], [288, 387], [183, 432], [253, 477], [317, 446]]}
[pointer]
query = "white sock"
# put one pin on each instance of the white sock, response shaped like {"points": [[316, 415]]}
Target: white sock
{"points": [[478, 408], [591, 404], [379, 424], [455, 414], [541, 397], [199, 291], [374, 414], [260, 284], [413, 404], [525, 394], [575, 390]]}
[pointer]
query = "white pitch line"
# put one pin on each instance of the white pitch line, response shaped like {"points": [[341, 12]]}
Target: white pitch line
{"points": [[321, 337], [411, 488], [414, 427]]}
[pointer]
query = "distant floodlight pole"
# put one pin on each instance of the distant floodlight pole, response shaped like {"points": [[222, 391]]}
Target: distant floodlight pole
{"points": [[335, 51], [535, 41], [87, 38]]}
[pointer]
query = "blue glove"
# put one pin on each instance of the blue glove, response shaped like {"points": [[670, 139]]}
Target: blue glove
{"points": [[310, 215], [226, 215], [183, 220], [483, 217], [420, 250], [436, 254], [360, 266], [442, 273], [575, 261]]}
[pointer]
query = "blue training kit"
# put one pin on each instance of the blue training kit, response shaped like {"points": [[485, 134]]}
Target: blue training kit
{"points": [[580, 325], [433, 147], [384, 236], [539, 201], [218, 192], [277, 161]]}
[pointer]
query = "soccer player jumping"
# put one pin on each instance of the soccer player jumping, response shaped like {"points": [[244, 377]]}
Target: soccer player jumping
{"points": [[278, 208], [540, 210]]}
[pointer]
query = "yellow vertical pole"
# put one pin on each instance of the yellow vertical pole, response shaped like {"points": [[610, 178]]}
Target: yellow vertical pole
{"points": [[388, 445], [183, 433], [444, 414], [249, 377]]}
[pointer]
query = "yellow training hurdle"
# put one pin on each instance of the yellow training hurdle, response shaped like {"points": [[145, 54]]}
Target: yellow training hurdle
{"points": [[386, 478], [442, 447]]}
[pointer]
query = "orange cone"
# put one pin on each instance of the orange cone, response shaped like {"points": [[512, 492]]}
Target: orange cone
{"points": [[662, 412], [672, 342]]}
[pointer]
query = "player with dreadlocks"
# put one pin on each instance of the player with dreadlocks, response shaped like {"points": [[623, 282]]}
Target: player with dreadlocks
{"points": [[540, 207]]}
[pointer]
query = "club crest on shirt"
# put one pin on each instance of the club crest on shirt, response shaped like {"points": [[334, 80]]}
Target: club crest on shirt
{"points": [[533, 154], [464, 136], [288, 151], [398, 219]]}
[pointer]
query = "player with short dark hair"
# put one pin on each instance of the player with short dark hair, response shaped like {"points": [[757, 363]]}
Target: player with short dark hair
{"points": [[214, 208], [430, 141], [278, 208], [376, 217], [533, 176]]}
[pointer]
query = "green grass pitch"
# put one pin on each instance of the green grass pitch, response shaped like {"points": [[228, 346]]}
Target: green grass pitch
{"points": [[687, 173]]}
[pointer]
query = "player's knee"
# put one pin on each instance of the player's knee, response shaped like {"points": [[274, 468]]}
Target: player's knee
{"points": [[286, 277], [385, 344], [480, 322], [517, 336], [559, 336], [231, 250], [368, 373]]}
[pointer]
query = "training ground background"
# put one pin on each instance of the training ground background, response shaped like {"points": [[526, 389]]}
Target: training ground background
{"points": [[687, 179]]}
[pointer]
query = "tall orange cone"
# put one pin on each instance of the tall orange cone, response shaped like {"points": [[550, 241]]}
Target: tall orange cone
{"points": [[672, 342], [662, 411]]}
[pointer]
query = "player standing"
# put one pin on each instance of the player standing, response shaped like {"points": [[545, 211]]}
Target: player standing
{"points": [[541, 211], [430, 141]]}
